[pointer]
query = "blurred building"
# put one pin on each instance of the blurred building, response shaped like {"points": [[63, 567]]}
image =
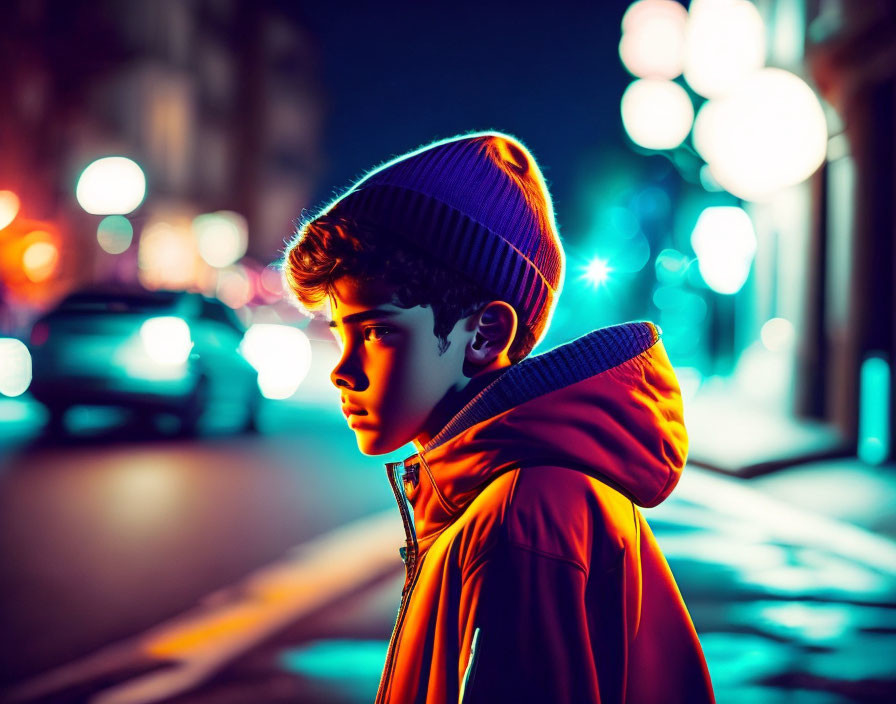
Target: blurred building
{"points": [[851, 314], [785, 204], [216, 100], [825, 258]]}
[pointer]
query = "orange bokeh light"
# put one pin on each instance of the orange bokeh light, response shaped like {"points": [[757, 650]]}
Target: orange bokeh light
{"points": [[40, 256], [9, 207]]}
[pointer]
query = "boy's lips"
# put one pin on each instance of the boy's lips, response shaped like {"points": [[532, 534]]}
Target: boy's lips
{"points": [[353, 411]]}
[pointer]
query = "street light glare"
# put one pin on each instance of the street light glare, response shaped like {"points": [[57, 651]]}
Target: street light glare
{"points": [[597, 271], [653, 38], [767, 134], [656, 114], [113, 185], [725, 243], [725, 43]]}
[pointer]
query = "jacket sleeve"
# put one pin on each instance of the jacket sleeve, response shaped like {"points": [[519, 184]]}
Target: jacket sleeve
{"points": [[523, 630]]}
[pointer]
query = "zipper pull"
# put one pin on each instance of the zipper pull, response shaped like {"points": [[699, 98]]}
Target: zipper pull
{"points": [[411, 476]]}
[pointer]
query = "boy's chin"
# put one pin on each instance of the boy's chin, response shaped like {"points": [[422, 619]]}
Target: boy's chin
{"points": [[371, 443]]}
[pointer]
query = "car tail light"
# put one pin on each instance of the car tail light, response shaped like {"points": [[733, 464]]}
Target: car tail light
{"points": [[40, 333]]}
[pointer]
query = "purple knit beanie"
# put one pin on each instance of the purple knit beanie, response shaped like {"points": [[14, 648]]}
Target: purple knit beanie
{"points": [[479, 204]]}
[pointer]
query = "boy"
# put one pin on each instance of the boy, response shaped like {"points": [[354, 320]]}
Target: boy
{"points": [[531, 575]]}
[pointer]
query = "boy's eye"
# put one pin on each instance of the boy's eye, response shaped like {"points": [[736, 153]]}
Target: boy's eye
{"points": [[376, 332]]}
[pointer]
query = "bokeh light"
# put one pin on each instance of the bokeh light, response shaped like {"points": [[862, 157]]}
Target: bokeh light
{"points": [[767, 134], [653, 39], [233, 286], [167, 256], [705, 129], [708, 181], [281, 355], [689, 381], [630, 255], [777, 335], [114, 234], [652, 203], [763, 376], [656, 114], [671, 266], [680, 309], [681, 315], [596, 272], [9, 207], [222, 237], [725, 43], [874, 409], [271, 284], [166, 339], [41, 257], [15, 367], [113, 185], [725, 243], [621, 221]]}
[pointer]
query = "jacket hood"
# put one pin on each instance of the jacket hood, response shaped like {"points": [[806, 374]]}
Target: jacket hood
{"points": [[607, 404]]}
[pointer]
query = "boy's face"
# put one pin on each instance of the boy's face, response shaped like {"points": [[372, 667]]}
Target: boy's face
{"points": [[390, 374]]}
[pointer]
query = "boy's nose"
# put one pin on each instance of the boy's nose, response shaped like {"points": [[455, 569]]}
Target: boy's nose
{"points": [[345, 374]]}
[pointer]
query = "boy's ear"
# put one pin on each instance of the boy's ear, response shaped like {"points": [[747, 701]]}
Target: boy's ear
{"points": [[493, 333]]}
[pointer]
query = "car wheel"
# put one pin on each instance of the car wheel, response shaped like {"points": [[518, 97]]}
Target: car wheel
{"points": [[253, 407], [193, 409], [56, 421]]}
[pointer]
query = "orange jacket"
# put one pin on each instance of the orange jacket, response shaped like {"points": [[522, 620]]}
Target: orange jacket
{"points": [[531, 575]]}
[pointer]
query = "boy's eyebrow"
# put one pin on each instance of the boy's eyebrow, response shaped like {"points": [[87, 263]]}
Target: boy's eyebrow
{"points": [[366, 315]]}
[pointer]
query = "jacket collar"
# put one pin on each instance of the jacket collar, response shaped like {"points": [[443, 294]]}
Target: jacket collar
{"points": [[607, 404]]}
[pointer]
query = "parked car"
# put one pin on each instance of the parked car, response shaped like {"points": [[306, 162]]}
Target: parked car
{"points": [[150, 351]]}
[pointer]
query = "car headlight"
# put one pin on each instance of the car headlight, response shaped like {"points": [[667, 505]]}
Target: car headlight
{"points": [[166, 339], [15, 367]]}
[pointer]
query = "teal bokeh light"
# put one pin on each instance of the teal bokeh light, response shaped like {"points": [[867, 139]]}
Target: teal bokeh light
{"points": [[671, 266], [350, 668], [874, 409], [115, 234]]}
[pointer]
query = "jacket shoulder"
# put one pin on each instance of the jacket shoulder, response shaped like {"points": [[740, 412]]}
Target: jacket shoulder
{"points": [[557, 512]]}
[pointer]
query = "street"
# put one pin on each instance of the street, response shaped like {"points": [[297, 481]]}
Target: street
{"points": [[101, 541], [139, 567]]}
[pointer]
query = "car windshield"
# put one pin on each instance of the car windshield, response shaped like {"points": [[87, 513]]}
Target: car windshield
{"points": [[97, 302]]}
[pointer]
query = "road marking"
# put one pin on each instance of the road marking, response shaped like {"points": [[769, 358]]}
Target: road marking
{"points": [[229, 622]]}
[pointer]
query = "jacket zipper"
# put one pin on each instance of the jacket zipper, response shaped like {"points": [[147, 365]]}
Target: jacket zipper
{"points": [[408, 555]]}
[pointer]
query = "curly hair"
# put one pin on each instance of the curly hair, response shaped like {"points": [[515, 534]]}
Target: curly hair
{"points": [[328, 248]]}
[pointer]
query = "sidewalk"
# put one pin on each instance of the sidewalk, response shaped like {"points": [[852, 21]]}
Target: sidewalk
{"points": [[845, 489], [803, 463]]}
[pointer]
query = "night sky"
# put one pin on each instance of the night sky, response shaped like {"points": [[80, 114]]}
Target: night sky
{"points": [[397, 75]]}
